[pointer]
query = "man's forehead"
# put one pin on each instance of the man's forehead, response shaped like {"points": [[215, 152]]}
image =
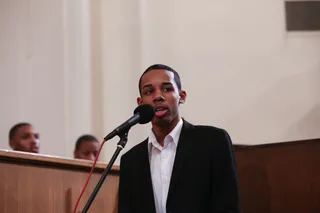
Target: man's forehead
{"points": [[157, 76], [89, 144], [26, 128]]}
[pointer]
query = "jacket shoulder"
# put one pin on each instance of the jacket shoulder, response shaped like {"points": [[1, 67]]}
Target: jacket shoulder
{"points": [[209, 129], [217, 137], [136, 150]]}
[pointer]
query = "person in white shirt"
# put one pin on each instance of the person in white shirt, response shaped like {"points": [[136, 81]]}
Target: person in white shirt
{"points": [[180, 167]]}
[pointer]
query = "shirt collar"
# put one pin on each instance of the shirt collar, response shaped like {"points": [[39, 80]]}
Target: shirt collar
{"points": [[174, 135]]}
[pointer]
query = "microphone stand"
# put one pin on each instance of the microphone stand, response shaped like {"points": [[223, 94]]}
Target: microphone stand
{"points": [[121, 144]]}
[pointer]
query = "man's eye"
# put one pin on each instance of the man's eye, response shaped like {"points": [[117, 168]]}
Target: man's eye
{"points": [[25, 136], [167, 89], [147, 92]]}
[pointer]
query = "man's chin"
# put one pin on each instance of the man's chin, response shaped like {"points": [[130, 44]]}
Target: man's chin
{"points": [[161, 121], [35, 150]]}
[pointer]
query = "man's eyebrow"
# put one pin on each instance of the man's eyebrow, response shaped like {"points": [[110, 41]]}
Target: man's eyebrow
{"points": [[147, 85], [166, 83]]}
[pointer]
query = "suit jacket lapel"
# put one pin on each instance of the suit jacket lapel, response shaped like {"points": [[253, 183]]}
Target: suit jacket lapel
{"points": [[183, 149], [146, 181]]}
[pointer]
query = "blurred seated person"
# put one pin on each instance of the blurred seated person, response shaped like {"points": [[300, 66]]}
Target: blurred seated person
{"points": [[23, 137], [86, 148]]}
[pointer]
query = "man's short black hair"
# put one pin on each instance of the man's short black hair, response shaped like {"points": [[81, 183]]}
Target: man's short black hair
{"points": [[84, 138], [162, 67], [13, 131]]}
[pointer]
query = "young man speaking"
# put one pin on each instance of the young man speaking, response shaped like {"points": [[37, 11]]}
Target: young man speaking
{"points": [[180, 167]]}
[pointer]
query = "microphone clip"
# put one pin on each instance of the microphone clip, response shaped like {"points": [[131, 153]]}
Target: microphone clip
{"points": [[123, 140]]}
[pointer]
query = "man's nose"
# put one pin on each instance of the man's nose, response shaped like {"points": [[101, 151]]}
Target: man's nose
{"points": [[158, 97], [33, 139]]}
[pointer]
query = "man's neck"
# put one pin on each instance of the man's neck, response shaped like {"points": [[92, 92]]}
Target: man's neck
{"points": [[162, 130]]}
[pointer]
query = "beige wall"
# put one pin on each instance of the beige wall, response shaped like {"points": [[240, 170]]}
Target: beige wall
{"points": [[46, 70], [241, 70]]}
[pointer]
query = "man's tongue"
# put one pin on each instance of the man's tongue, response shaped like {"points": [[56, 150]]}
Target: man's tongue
{"points": [[161, 112]]}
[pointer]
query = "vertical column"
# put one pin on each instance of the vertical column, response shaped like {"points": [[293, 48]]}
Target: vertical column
{"points": [[77, 67]]}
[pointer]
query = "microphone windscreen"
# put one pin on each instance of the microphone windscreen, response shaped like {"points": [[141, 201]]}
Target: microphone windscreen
{"points": [[146, 112]]}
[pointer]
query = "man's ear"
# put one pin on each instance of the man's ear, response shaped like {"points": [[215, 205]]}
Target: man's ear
{"points": [[183, 96], [139, 101]]}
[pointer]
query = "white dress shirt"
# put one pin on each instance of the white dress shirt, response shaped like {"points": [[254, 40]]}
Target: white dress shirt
{"points": [[161, 163]]}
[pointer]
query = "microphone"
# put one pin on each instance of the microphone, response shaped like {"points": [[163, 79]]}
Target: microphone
{"points": [[142, 114]]}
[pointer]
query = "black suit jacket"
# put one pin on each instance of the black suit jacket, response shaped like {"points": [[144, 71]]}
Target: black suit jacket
{"points": [[204, 177]]}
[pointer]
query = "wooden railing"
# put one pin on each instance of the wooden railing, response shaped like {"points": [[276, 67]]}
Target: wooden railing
{"points": [[33, 183], [274, 178], [280, 177]]}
